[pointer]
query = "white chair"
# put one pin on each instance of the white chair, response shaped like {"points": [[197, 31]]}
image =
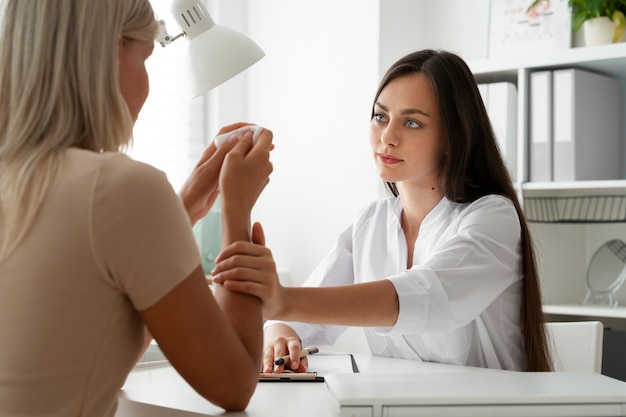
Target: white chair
{"points": [[576, 346]]}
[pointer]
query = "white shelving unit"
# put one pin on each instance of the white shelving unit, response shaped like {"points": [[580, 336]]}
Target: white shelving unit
{"points": [[585, 311], [605, 59]]}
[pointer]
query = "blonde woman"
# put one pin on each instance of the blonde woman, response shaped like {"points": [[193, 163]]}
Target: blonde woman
{"points": [[96, 250]]}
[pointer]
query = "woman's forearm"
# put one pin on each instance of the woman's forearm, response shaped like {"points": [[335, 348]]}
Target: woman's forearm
{"points": [[242, 310], [365, 304]]}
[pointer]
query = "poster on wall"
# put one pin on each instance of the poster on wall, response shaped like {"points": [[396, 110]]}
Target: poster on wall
{"points": [[515, 30]]}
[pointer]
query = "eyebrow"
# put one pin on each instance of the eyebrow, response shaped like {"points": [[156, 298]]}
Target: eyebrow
{"points": [[404, 112]]}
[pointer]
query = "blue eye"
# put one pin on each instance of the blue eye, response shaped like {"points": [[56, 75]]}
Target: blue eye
{"points": [[412, 124], [379, 117]]}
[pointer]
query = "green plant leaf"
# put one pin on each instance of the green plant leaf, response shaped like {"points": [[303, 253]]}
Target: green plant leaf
{"points": [[620, 24], [578, 19]]}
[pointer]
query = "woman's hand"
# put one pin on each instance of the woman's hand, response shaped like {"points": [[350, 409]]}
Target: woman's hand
{"points": [[282, 340], [244, 174], [201, 188], [248, 267]]}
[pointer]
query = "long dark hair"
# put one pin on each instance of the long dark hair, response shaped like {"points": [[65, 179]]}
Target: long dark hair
{"points": [[472, 167]]}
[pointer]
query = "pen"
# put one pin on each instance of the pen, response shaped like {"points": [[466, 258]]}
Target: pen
{"points": [[304, 352]]}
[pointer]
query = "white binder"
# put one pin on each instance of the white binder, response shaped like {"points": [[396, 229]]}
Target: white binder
{"points": [[501, 103], [540, 146], [587, 126]]}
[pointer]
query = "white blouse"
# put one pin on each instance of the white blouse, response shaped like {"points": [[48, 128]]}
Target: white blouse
{"points": [[459, 302]]}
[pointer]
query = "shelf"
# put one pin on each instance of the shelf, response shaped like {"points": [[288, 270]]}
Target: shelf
{"points": [[575, 202], [609, 59], [585, 311], [574, 188]]}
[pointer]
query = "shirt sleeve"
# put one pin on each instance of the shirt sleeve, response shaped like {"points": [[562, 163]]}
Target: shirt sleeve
{"points": [[142, 236], [466, 272]]}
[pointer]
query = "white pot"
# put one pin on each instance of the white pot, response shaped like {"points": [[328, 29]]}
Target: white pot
{"points": [[599, 31]]}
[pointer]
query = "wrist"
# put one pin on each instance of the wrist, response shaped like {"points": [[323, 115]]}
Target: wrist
{"points": [[193, 214], [235, 227]]}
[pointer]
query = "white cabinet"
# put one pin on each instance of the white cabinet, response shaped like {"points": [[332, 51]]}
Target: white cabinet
{"points": [[566, 242]]}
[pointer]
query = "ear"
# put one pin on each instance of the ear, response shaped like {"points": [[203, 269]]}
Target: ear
{"points": [[120, 47]]}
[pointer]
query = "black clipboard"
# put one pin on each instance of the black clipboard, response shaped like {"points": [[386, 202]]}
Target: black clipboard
{"points": [[290, 377]]}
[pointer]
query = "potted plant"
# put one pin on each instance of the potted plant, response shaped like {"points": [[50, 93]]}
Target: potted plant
{"points": [[603, 15]]}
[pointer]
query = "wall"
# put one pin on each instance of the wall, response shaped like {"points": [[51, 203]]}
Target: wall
{"points": [[460, 26], [564, 252], [314, 90]]}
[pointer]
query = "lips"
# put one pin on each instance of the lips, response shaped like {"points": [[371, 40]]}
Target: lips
{"points": [[388, 159]]}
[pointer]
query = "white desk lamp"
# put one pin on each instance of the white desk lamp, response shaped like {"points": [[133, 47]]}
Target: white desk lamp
{"points": [[216, 52]]}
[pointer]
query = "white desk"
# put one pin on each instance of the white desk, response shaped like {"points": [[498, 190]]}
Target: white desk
{"points": [[161, 392], [437, 390]]}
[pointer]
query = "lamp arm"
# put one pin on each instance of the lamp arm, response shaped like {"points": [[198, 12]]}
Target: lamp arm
{"points": [[165, 38]]}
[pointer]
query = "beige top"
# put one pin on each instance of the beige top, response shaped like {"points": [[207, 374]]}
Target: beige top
{"points": [[111, 238]]}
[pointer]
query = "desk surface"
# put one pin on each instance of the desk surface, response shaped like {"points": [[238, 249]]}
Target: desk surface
{"points": [[160, 392]]}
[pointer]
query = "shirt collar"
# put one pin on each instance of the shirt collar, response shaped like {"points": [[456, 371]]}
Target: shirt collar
{"points": [[396, 210]]}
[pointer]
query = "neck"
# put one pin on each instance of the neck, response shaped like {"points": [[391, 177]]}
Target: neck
{"points": [[416, 204], [415, 207]]}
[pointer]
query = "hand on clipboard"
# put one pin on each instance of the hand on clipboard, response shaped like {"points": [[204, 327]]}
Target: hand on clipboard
{"points": [[290, 376]]}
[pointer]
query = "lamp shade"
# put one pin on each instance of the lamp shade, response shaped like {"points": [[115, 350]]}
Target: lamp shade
{"points": [[216, 53]]}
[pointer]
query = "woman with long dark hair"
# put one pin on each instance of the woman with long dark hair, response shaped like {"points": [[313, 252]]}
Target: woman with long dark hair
{"points": [[441, 271]]}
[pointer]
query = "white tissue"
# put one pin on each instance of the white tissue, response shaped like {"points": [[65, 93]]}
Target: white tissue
{"points": [[256, 131]]}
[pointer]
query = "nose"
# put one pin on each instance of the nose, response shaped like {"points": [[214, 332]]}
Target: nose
{"points": [[388, 136]]}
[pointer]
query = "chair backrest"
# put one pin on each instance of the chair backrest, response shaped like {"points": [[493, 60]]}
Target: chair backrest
{"points": [[576, 346]]}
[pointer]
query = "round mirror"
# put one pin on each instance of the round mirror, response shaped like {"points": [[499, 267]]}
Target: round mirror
{"points": [[606, 273]]}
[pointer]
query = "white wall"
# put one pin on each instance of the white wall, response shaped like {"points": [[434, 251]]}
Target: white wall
{"points": [[459, 26], [314, 90]]}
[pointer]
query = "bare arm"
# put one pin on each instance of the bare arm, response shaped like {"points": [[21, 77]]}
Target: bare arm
{"points": [[244, 175], [366, 304], [201, 343], [249, 268], [203, 335]]}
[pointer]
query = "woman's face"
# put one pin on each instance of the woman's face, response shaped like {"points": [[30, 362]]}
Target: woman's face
{"points": [[406, 132], [133, 75]]}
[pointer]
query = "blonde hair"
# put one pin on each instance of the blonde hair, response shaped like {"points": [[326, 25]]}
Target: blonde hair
{"points": [[59, 88]]}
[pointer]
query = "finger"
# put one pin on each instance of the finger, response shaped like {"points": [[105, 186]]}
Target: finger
{"points": [[207, 153], [244, 287], [259, 262], [241, 248], [242, 143], [258, 236], [212, 153], [280, 349], [303, 366], [267, 364], [209, 279], [294, 354], [264, 141], [233, 126]]}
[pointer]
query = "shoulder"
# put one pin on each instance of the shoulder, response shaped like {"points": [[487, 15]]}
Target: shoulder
{"points": [[121, 167], [378, 209], [112, 166], [493, 205], [492, 215], [123, 184], [377, 214], [129, 178], [487, 204]]}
